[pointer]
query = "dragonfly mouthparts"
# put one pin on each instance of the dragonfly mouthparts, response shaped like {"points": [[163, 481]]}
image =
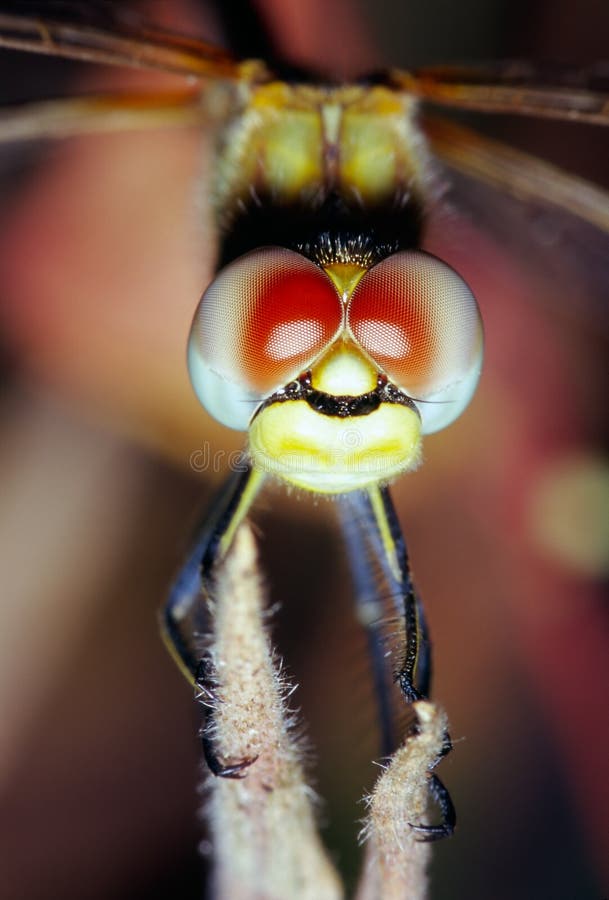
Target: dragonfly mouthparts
{"points": [[340, 406]]}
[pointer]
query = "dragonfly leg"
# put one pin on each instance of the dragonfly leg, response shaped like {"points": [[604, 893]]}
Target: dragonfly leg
{"points": [[414, 675], [440, 795], [385, 596], [414, 672], [358, 526], [185, 618], [424, 659], [206, 694], [384, 588]]}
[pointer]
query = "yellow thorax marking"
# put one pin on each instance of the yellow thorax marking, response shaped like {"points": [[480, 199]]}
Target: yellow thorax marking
{"points": [[297, 143]]}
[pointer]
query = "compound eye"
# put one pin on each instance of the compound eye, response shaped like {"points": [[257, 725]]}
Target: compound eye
{"points": [[419, 321], [264, 318]]}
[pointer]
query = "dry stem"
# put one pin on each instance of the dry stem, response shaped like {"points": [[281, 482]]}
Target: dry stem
{"points": [[395, 865], [265, 840]]}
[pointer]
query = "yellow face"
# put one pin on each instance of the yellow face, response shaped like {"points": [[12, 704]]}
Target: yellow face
{"points": [[331, 445], [335, 369]]}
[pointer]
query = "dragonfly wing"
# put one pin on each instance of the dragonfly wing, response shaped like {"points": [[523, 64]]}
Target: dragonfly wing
{"points": [[142, 47], [523, 176], [514, 88], [101, 113], [555, 222]]}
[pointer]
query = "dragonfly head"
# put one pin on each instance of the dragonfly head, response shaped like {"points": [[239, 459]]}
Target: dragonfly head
{"points": [[336, 371]]}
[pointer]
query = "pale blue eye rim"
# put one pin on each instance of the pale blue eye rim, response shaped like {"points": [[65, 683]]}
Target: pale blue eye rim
{"points": [[226, 401]]}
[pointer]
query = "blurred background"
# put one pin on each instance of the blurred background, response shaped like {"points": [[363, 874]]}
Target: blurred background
{"points": [[105, 249]]}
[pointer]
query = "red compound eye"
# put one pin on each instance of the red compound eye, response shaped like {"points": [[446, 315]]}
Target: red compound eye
{"points": [[264, 318], [418, 320]]}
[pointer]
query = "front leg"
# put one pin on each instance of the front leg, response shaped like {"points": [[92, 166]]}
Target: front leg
{"points": [[393, 616], [185, 616], [414, 675]]}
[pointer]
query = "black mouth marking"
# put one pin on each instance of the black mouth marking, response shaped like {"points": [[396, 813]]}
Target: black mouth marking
{"points": [[342, 407]]}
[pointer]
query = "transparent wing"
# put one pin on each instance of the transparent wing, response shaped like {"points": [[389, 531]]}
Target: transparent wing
{"points": [[100, 32], [143, 47], [523, 176], [101, 113], [553, 222], [514, 88]]}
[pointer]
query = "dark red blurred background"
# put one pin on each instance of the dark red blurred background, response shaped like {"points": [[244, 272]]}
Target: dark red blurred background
{"points": [[103, 255]]}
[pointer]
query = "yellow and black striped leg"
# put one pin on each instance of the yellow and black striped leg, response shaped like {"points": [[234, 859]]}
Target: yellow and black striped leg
{"points": [[414, 675], [394, 619], [185, 618]]}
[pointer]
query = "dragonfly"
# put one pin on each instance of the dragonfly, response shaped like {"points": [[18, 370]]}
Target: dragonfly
{"points": [[384, 344]]}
